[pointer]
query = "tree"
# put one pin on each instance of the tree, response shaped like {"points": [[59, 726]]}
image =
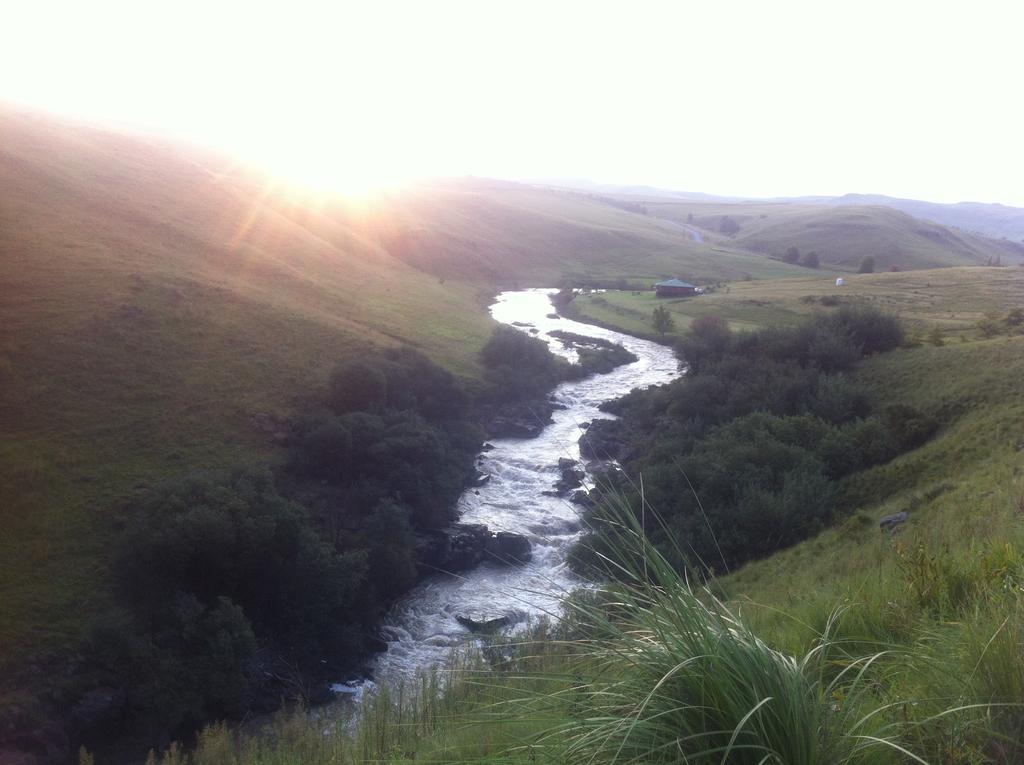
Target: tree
{"points": [[792, 255], [811, 260], [728, 226], [357, 386], [662, 320], [867, 265]]}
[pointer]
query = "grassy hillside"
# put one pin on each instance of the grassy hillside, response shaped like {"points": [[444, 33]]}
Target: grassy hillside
{"points": [[953, 300], [993, 220], [512, 234], [842, 235], [963, 489], [159, 300], [151, 310]]}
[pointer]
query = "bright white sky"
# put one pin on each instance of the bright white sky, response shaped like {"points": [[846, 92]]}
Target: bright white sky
{"points": [[915, 99]]}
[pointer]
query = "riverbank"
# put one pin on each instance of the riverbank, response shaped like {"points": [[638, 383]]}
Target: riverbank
{"points": [[521, 497], [459, 548], [937, 601]]}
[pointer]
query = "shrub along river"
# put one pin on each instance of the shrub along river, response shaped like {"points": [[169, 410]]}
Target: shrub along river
{"points": [[441, 612]]}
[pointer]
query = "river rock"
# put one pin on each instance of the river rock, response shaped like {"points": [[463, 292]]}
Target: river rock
{"points": [[890, 522], [508, 547], [555, 527], [572, 477], [481, 621], [463, 546], [466, 545], [583, 498], [477, 478], [519, 419]]}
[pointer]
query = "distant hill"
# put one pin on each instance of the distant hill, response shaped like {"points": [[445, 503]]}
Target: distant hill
{"points": [[993, 220], [842, 235]]}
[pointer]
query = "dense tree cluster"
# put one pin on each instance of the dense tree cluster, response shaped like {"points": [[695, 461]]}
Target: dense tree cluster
{"points": [[762, 427], [228, 582], [728, 226], [299, 566], [209, 569]]}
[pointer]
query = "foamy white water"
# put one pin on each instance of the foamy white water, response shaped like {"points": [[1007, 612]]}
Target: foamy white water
{"points": [[422, 628]]}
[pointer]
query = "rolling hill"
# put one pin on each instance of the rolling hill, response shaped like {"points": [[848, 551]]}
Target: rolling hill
{"points": [[161, 302], [968, 233], [843, 235], [992, 220]]}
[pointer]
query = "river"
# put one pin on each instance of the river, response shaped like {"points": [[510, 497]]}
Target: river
{"points": [[422, 628]]}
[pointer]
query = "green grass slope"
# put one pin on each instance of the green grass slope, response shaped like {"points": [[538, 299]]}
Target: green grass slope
{"points": [[514, 234], [843, 235], [151, 309], [951, 300], [157, 298]]}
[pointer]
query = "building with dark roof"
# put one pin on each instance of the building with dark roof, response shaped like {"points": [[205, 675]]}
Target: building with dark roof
{"points": [[674, 288]]}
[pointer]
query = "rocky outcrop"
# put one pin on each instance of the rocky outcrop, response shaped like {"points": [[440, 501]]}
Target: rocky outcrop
{"points": [[521, 420], [476, 479], [572, 475], [508, 547], [583, 498], [466, 544], [890, 522], [463, 546]]}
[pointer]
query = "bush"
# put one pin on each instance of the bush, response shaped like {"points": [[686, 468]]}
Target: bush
{"points": [[182, 665], [792, 255], [707, 338], [209, 568], [908, 426], [867, 265], [728, 226], [357, 386], [811, 260], [871, 330], [397, 379], [240, 540], [414, 445], [520, 367], [662, 320]]}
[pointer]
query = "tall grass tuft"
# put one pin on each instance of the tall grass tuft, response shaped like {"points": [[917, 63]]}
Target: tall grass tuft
{"points": [[678, 677]]}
